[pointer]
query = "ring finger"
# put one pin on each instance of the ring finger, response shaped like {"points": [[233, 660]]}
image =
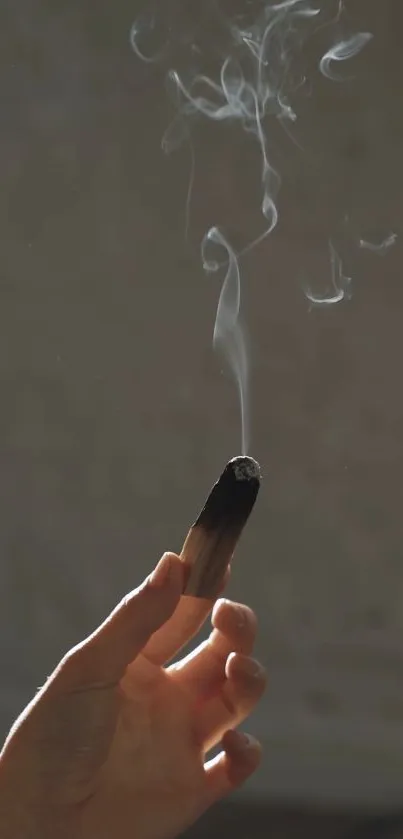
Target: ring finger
{"points": [[243, 687]]}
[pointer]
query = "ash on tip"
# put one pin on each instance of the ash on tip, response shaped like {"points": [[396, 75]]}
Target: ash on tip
{"points": [[245, 468]]}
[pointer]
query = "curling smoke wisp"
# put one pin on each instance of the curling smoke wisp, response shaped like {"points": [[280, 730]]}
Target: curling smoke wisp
{"points": [[256, 80], [380, 248], [339, 282], [341, 52]]}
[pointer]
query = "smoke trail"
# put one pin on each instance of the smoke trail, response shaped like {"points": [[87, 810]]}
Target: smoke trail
{"points": [[175, 135], [255, 83], [228, 332]]}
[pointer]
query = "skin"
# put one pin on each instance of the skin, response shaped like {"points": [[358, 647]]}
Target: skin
{"points": [[116, 743]]}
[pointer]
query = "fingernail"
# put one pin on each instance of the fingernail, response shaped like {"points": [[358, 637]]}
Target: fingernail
{"points": [[245, 741], [240, 617], [161, 574], [250, 667]]}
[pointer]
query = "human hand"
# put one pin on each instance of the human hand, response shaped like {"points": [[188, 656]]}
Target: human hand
{"points": [[115, 743]]}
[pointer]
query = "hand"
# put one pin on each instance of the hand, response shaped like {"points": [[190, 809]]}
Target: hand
{"points": [[114, 745]]}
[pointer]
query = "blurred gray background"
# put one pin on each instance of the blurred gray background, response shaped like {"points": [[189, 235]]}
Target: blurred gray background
{"points": [[116, 415]]}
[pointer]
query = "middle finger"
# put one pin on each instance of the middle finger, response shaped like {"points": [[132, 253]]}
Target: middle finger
{"points": [[202, 672]]}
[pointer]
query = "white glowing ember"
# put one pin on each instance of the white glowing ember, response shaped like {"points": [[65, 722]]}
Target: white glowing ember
{"points": [[245, 468]]}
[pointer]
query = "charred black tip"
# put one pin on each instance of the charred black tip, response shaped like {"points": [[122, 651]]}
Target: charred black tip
{"points": [[233, 496]]}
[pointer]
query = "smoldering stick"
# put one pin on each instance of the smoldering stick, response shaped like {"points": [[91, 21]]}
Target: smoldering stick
{"points": [[213, 537]]}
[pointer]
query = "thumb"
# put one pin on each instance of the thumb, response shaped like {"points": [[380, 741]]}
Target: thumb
{"points": [[102, 658]]}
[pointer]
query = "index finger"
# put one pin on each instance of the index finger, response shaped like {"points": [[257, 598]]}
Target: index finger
{"points": [[188, 617]]}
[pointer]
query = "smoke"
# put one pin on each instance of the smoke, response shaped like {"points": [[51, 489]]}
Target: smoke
{"points": [[339, 283], [174, 137], [253, 85], [380, 248], [229, 335], [150, 35], [342, 51], [255, 52]]}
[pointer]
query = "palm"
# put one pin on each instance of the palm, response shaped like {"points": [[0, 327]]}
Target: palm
{"points": [[155, 760]]}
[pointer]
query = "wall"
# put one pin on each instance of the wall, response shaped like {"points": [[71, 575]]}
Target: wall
{"points": [[115, 413]]}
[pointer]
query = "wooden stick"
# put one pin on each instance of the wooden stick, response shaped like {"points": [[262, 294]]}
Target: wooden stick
{"points": [[211, 541]]}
